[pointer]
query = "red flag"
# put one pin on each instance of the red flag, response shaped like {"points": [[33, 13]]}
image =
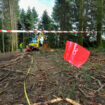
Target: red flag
{"points": [[75, 54]]}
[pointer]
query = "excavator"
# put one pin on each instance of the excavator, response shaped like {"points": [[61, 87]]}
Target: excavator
{"points": [[35, 42]]}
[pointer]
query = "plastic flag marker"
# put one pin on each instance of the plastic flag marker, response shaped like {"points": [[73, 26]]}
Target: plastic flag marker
{"points": [[75, 54]]}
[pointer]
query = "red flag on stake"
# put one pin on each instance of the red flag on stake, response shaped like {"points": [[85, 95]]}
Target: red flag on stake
{"points": [[75, 54]]}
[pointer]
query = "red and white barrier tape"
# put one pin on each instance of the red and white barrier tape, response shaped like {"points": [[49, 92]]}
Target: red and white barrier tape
{"points": [[44, 31]]}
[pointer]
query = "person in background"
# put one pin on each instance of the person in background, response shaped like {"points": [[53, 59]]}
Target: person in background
{"points": [[28, 48], [21, 47]]}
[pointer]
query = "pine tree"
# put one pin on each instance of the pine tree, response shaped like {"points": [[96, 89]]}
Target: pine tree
{"points": [[46, 21], [35, 16], [21, 26], [46, 24], [61, 15], [29, 20], [21, 20]]}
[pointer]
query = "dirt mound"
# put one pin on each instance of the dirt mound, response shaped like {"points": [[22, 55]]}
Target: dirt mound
{"points": [[46, 47]]}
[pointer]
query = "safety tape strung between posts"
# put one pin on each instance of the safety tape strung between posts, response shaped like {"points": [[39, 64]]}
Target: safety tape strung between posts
{"points": [[25, 91], [44, 31]]}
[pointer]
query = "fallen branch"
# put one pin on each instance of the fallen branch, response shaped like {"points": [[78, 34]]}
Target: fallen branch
{"points": [[8, 88], [87, 96], [57, 100], [49, 102], [13, 61], [16, 71], [99, 82], [71, 101], [5, 76], [100, 88]]}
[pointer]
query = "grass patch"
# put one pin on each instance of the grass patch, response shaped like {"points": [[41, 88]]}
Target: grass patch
{"points": [[71, 92], [86, 76]]}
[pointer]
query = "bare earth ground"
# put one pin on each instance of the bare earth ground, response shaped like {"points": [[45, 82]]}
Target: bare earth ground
{"points": [[51, 76]]}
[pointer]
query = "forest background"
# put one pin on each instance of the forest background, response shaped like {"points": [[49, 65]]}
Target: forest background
{"points": [[78, 15]]}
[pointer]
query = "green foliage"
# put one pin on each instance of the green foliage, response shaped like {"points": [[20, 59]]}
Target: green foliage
{"points": [[64, 13], [21, 21], [100, 49], [71, 92], [97, 66], [35, 16], [46, 21], [29, 20], [86, 76], [61, 14], [47, 24], [21, 26]]}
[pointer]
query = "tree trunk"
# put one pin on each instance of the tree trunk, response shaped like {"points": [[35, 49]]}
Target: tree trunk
{"points": [[85, 19], [13, 23], [80, 37], [3, 48], [99, 22]]}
